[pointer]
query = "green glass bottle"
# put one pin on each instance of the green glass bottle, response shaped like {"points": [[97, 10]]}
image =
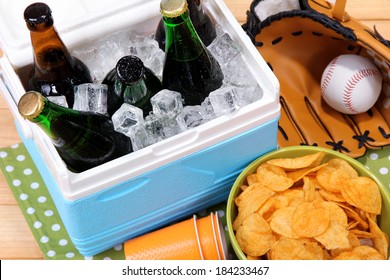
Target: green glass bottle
{"points": [[131, 82], [202, 22], [189, 67], [55, 71], [82, 139]]}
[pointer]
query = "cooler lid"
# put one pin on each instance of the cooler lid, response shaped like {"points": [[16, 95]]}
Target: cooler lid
{"points": [[75, 20]]}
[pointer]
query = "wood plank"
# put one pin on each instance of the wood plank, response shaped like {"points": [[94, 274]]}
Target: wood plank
{"points": [[238, 8], [368, 12], [363, 9], [6, 196], [8, 132], [17, 241]]}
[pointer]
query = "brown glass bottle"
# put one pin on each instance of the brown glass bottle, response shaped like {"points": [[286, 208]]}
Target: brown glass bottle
{"points": [[131, 82], [55, 71], [83, 139], [202, 22], [189, 67]]}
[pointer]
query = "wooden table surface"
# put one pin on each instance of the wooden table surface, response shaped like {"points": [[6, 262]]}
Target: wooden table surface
{"points": [[16, 239]]}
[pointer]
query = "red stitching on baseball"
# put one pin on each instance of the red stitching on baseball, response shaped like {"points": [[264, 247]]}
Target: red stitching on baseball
{"points": [[351, 85], [328, 76]]}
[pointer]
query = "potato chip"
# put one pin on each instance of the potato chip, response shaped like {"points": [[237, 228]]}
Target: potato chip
{"points": [[290, 164], [252, 179], [309, 189], [255, 236], [294, 196], [280, 222], [268, 208], [295, 249], [248, 192], [363, 193], [253, 258], [372, 216], [360, 253], [379, 239], [361, 233], [342, 164], [331, 196], [334, 174], [310, 219], [336, 235], [249, 201], [326, 255], [299, 174], [273, 177], [353, 242], [352, 224], [243, 187], [352, 214], [272, 204]]}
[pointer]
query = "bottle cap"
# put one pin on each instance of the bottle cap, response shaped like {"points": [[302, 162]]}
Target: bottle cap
{"points": [[130, 69], [37, 14], [173, 8], [31, 105]]}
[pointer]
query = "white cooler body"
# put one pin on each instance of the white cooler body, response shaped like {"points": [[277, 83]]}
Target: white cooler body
{"points": [[162, 183]]}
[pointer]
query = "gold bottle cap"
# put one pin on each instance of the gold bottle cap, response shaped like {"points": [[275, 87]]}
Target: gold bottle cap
{"points": [[31, 105], [173, 8]]}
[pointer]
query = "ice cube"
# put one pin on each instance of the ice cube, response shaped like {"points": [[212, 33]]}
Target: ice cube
{"points": [[155, 129], [167, 102], [126, 118], [194, 115], [59, 100], [223, 101], [206, 104], [147, 49], [139, 137], [142, 46], [148, 132], [102, 55], [91, 98], [238, 75], [224, 49], [172, 126], [219, 29], [248, 94], [156, 63]]}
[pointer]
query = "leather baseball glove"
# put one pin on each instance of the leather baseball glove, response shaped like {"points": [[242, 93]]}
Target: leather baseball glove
{"points": [[298, 44]]}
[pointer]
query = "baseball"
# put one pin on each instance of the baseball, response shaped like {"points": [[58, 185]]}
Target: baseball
{"points": [[351, 84]]}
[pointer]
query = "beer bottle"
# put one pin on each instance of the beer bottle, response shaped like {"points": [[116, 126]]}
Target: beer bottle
{"points": [[55, 71], [131, 82], [82, 139], [202, 22], [189, 67]]}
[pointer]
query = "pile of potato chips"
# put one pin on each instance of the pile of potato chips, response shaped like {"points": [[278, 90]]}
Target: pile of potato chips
{"points": [[301, 208]]}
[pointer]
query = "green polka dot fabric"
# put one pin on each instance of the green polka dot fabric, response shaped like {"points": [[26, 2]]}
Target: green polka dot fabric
{"points": [[45, 222]]}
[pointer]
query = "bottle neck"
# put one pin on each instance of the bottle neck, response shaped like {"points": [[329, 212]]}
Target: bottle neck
{"points": [[45, 118], [50, 53], [182, 40], [131, 92]]}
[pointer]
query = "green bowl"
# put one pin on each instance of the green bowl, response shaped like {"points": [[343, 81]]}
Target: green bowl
{"points": [[292, 152]]}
